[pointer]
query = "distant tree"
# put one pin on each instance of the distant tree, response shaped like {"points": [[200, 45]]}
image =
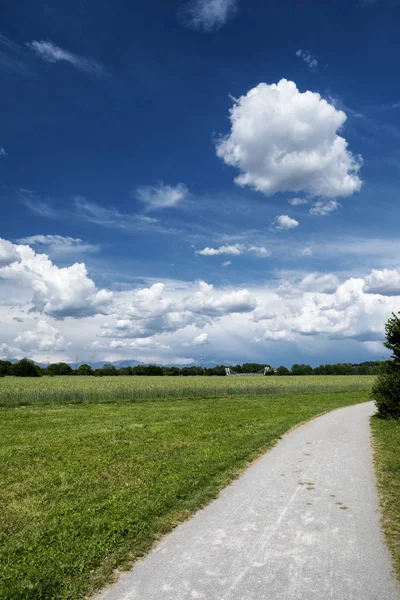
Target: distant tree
{"points": [[84, 370], [282, 371], [302, 370], [187, 371], [386, 389], [61, 368], [171, 371], [5, 368], [154, 370], [26, 368], [218, 370], [125, 371], [319, 370], [109, 370]]}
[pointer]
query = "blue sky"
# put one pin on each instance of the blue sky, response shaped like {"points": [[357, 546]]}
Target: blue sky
{"points": [[212, 177]]}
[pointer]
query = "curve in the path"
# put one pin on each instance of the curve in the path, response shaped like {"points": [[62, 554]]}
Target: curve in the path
{"points": [[302, 523]]}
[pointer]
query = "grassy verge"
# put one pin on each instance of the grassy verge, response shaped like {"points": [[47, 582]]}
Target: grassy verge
{"points": [[387, 464], [87, 488]]}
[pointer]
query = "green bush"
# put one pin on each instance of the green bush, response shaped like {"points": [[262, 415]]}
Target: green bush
{"points": [[386, 393], [386, 389]]}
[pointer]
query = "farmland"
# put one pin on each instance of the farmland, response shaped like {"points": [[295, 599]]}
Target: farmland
{"points": [[94, 470], [52, 390]]}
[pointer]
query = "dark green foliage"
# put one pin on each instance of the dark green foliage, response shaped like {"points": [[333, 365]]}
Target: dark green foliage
{"points": [[84, 370], [282, 371], [126, 371], [61, 368], [192, 371], [5, 368], [302, 370], [386, 389], [392, 331], [386, 393], [26, 368]]}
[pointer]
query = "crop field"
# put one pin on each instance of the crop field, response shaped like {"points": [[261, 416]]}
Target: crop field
{"points": [[50, 390], [94, 470]]}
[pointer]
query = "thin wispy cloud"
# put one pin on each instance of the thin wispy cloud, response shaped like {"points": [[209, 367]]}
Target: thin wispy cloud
{"points": [[207, 15], [58, 244], [11, 56], [51, 53], [308, 58], [235, 250], [162, 196], [297, 201], [2, 151]]}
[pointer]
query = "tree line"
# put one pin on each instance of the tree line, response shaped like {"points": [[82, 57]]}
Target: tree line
{"points": [[27, 368]]}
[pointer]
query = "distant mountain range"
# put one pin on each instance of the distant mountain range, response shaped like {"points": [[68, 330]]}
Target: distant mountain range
{"points": [[118, 364]]}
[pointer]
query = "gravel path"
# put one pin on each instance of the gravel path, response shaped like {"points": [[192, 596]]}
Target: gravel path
{"points": [[302, 523]]}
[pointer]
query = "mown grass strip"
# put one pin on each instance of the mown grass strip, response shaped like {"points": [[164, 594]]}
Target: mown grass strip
{"points": [[87, 488], [386, 435]]}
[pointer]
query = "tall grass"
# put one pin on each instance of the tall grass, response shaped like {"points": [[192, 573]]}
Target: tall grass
{"points": [[17, 391]]}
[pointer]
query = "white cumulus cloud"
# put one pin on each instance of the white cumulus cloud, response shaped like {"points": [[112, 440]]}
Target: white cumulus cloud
{"points": [[297, 201], [285, 222], [155, 310], [43, 338], [162, 196], [207, 15], [315, 282], [51, 53], [385, 282], [324, 208], [282, 140], [234, 250], [58, 292], [201, 339], [8, 253]]}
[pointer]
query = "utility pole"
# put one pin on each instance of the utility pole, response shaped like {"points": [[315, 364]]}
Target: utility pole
{"points": [[202, 362], [76, 363]]}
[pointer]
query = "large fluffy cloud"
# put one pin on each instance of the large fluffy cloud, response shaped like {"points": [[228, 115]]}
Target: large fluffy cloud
{"points": [[43, 338], [284, 140], [57, 292], [304, 314], [385, 282], [8, 253], [145, 312]]}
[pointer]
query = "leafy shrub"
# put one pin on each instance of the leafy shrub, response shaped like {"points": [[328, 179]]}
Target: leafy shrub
{"points": [[386, 389], [386, 393]]}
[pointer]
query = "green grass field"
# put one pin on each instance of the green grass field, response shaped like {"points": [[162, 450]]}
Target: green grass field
{"points": [[88, 486], [387, 464]]}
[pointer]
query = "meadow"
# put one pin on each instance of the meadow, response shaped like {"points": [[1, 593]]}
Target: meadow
{"points": [[94, 470]]}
